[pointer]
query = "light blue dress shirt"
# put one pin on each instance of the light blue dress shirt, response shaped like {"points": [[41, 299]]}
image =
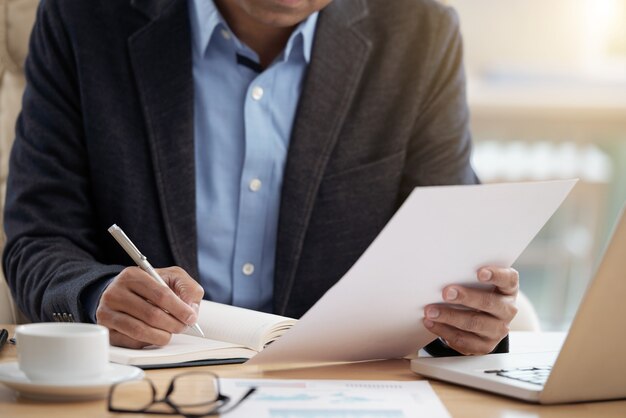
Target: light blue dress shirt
{"points": [[242, 126]]}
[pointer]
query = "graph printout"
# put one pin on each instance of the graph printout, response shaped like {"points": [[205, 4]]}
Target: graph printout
{"points": [[334, 399]]}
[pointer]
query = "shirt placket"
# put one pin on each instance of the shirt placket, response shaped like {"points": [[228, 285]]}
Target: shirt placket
{"points": [[253, 193]]}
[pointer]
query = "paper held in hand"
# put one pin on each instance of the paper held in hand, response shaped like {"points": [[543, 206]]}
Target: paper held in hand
{"points": [[440, 236]]}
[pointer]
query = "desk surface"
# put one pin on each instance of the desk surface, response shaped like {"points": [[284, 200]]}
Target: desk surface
{"points": [[460, 402]]}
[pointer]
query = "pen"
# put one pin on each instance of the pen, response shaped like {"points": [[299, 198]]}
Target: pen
{"points": [[142, 262], [4, 335]]}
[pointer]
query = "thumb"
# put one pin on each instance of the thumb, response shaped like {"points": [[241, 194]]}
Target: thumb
{"points": [[183, 285], [189, 291]]}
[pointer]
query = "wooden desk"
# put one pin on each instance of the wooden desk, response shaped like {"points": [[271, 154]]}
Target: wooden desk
{"points": [[459, 401]]}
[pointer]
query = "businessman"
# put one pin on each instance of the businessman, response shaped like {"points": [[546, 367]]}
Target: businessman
{"points": [[256, 146]]}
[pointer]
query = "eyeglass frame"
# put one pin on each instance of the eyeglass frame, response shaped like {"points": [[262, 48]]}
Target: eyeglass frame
{"points": [[222, 400]]}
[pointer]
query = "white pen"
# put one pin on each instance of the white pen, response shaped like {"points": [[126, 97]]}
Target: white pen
{"points": [[142, 262]]}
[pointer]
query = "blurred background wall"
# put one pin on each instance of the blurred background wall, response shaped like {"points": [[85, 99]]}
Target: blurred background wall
{"points": [[547, 91]]}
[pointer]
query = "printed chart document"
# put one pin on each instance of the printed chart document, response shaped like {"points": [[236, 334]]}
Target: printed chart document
{"points": [[232, 334], [334, 399], [440, 236]]}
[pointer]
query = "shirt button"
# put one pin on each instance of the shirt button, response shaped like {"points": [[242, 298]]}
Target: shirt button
{"points": [[248, 269], [255, 185], [257, 93], [225, 34]]}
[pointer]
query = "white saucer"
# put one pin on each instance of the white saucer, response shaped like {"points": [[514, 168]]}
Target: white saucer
{"points": [[13, 377]]}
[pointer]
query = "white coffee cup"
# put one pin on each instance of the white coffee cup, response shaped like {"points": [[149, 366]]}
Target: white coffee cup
{"points": [[62, 352]]}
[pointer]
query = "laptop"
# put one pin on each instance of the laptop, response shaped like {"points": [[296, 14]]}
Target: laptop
{"points": [[591, 364]]}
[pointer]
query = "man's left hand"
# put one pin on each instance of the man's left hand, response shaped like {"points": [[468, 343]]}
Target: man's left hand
{"points": [[479, 329]]}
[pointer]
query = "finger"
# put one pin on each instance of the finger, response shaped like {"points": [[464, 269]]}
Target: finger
{"points": [[484, 300], [182, 284], [131, 327], [484, 325], [161, 296], [120, 340], [137, 307], [462, 341], [505, 279]]}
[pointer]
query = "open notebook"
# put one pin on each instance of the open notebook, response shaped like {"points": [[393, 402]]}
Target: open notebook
{"points": [[233, 335]]}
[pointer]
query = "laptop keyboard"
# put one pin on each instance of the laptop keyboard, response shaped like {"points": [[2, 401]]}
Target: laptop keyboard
{"points": [[535, 375]]}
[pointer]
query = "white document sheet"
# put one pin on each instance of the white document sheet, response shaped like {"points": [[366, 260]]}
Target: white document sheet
{"points": [[334, 399], [440, 236]]}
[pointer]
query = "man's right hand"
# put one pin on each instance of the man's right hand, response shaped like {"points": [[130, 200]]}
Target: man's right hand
{"points": [[139, 311]]}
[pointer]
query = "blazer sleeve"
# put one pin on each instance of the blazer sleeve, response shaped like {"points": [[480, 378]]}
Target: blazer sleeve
{"points": [[51, 251], [440, 148]]}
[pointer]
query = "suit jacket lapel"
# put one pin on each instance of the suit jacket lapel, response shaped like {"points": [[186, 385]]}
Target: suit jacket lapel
{"points": [[338, 60], [165, 84]]}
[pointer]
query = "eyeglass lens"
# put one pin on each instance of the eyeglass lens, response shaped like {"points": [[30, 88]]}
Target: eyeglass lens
{"points": [[133, 396], [194, 389]]}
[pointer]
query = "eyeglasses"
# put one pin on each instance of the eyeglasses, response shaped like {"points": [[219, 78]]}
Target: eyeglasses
{"points": [[191, 394]]}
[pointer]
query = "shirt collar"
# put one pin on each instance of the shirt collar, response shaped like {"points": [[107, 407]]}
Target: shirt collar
{"points": [[205, 18], [306, 29]]}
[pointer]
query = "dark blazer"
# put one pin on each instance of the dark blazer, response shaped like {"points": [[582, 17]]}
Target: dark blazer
{"points": [[106, 136]]}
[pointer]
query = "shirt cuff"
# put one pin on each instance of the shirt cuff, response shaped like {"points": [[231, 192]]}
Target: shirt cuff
{"points": [[440, 349]]}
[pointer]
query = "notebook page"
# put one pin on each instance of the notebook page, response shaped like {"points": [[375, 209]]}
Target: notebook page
{"points": [[238, 325], [181, 348]]}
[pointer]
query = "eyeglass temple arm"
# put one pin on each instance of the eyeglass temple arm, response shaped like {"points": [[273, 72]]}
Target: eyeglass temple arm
{"points": [[243, 398]]}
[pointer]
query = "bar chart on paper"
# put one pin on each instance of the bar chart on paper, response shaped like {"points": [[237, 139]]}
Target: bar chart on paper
{"points": [[335, 399], [344, 405], [324, 413]]}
